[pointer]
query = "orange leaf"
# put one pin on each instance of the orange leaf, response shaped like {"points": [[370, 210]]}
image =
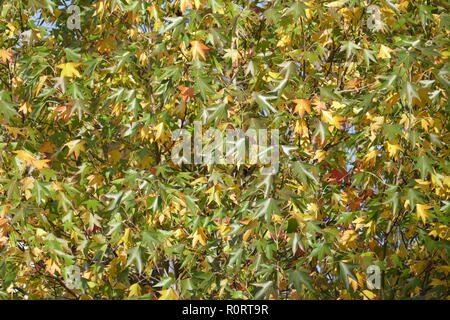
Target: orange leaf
{"points": [[186, 93], [320, 105], [47, 147], [303, 105], [64, 112], [6, 56], [198, 48]]}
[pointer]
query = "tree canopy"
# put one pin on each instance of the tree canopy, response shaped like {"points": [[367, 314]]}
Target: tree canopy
{"points": [[92, 91]]}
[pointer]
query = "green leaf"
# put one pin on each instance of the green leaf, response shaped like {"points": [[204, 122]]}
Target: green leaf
{"points": [[345, 271], [135, 257], [425, 166], [265, 288], [6, 106], [299, 279], [267, 208]]}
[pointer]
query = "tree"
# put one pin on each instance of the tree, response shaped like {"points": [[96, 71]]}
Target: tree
{"points": [[93, 207]]}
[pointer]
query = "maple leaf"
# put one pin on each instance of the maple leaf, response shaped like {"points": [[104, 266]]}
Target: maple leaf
{"points": [[41, 164], [16, 132], [76, 147], [60, 83], [385, 52], [114, 156], [199, 236], [335, 4], [106, 45], [52, 267], [25, 108], [29, 159], [159, 131], [353, 84], [320, 155], [371, 156], [184, 4], [355, 204], [198, 48], [6, 56], [135, 290], [64, 112], [339, 175], [320, 105], [335, 121], [186, 93], [24, 156], [168, 294], [393, 149], [422, 213], [47, 147], [69, 70], [234, 55], [95, 180], [302, 106]]}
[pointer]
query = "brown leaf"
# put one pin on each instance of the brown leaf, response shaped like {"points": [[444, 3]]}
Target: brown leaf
{"points": [[186, 93]]}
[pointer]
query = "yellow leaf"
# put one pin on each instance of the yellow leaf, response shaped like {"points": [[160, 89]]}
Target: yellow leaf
{"points": [[159, 131], [199, 236], [25, 108], [369, 295], [335, 4], [69, 70], [301, 128], [184, 4], [24, 156], [95, 180], [52, 267], [125, 240], [335, 121], [106, 45], [200, 180], [197, 4], [445, 269], [15, 132], [247, 235], [422, 184], [135, 290], [76, 147], [198, 48], [41, 164], [114, 156], [418, 267], [353, 283], [39, 85], [371, 155], [385, 52], [320, 155], [393, 149], [302, 106], [168, 294], [349, 238], [224, 229], [422, 213], [337, 105], [437, 282]]}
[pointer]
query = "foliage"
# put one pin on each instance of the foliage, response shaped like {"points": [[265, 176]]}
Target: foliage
{"points": [[86, 178]]}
